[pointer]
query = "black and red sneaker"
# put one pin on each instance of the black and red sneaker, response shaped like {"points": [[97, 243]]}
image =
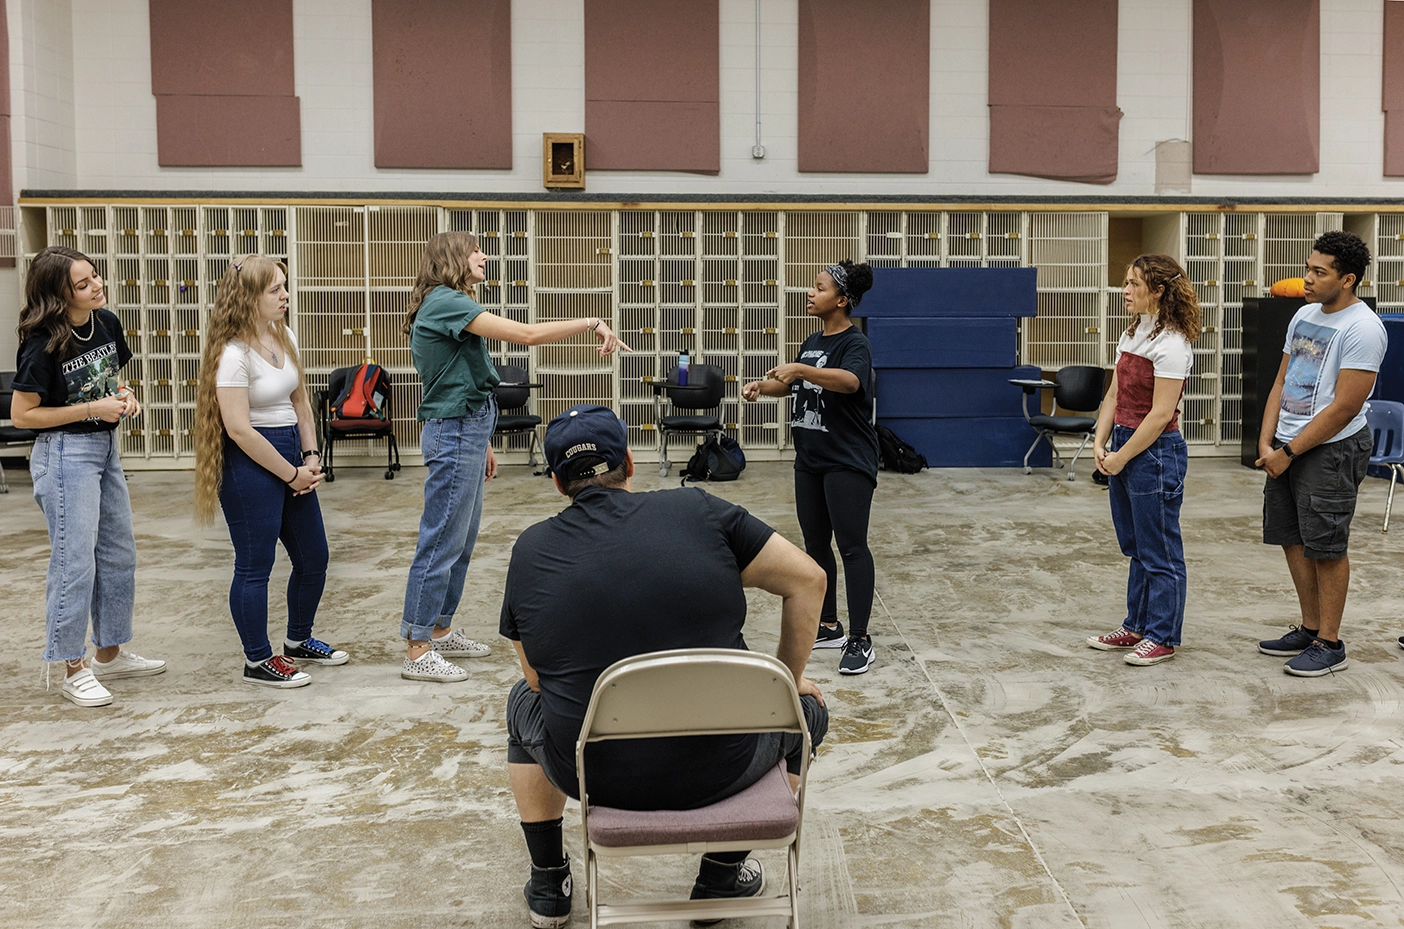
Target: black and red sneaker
{"points": [[276, 672]]}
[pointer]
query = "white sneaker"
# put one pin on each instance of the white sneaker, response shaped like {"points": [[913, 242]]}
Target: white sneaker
{"points": [[431, 666], [126, 664], [84, 689], [458, 645]]}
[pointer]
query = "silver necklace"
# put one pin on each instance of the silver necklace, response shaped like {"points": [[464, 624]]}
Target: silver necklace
{"points": [[272, 354], [92, 328]]}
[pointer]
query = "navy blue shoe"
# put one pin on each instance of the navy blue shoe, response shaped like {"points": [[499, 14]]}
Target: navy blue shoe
{"points": [[1319, 659], [1296, 641]]}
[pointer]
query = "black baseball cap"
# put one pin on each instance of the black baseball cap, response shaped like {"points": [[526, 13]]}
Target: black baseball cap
{"points": [[584, 441]]}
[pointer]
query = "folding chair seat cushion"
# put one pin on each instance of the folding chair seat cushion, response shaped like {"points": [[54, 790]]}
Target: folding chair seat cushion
{"points": [[509, 422], [765, 811], [684, 423], [15, 434], [1063, 423], [361, 425]]}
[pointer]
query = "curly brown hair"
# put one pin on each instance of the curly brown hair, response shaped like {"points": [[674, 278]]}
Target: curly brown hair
{"points": [[1174, 296], [234, 318], [445, 264]]}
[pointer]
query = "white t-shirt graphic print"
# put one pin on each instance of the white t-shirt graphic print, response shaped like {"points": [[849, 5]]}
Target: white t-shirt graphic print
{"points": [[1318, 346]]}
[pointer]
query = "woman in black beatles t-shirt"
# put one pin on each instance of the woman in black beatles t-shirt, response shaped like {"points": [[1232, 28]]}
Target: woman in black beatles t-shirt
{"points": [[67, 390], [836, 451]]}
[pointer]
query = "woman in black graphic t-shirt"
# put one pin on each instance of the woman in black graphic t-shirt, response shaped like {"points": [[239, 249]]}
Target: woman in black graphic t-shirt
{"points": [[67, 390], [836, 452]]}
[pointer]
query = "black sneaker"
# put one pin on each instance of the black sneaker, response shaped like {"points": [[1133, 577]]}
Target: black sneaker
{"points": [[315, 651], [830, 636], [548, 896], [857, 655], [1296, 641], [277, 671], [719, 880]]}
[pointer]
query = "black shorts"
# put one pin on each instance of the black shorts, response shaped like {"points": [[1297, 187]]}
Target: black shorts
{"points": [[1313, 502], [526, 740]]}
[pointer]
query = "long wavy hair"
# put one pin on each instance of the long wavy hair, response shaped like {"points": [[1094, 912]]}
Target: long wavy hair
{"points": [[47, 289], [1178, 304], [445, 264], [234, 318]]}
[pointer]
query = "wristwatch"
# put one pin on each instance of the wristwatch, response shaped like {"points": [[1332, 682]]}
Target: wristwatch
{"points": [[1287, 447]]}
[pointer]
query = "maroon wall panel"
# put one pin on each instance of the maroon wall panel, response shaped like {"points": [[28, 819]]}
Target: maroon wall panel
{"points": [[1052, 89], [864, 86], [1053, 54], [222, 74], [226, 131], [1257, 86], [1071, 143], [222, 47], [652, 85], [1394, 88], [437, 103]]}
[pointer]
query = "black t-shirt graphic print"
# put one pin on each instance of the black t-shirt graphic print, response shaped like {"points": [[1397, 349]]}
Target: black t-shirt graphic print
{"points": [[88, 373], [833, 431]]}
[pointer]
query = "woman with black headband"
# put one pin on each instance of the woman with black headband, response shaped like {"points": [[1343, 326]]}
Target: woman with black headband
{"points": [[836, 452]]}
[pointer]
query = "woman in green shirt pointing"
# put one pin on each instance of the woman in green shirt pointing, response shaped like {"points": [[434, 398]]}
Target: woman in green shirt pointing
{"points": [[447, 329]]}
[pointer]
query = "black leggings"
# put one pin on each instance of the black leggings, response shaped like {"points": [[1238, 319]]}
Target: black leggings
{"points": [[836, 505]]}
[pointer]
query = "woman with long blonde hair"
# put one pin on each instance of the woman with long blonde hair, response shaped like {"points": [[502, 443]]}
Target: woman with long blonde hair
{"points": [[1146, 468], [256, 455], [448, 332]]}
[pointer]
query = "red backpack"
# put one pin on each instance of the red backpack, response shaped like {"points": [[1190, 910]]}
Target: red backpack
{"points": [[364, 397]]}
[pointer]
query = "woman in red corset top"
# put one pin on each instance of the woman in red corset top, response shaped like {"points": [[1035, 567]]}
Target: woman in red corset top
{"points": [[1146, 465]]}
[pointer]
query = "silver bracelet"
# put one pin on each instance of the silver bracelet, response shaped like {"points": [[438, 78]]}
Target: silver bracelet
{"points": [[596, 325]]}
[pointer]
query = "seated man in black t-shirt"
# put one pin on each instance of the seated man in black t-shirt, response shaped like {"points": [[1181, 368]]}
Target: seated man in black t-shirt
{"points": [[618, 574]]}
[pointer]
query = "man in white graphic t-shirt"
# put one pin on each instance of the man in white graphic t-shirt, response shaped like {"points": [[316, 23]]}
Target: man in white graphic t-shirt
{"points": [[1315, 446]]}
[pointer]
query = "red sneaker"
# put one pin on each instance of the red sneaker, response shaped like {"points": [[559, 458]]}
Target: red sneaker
{"points": [[1149, 652], [1121, 638]]}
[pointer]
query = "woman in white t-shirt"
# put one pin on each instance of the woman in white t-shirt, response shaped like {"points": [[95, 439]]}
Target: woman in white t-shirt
{"points": [[1146, 468], [256, 454]]}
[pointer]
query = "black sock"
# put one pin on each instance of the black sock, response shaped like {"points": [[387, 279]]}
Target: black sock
{"points": [[1335, 644], [728, 857], [1310, 632], [544, 843]]}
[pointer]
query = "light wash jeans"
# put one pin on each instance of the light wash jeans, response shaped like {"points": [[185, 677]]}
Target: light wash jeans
{"points": [[79, 484], [455, 451]]}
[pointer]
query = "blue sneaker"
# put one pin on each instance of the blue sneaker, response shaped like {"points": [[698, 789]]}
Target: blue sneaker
{"points": [[1319, 659], [1296, 641]]}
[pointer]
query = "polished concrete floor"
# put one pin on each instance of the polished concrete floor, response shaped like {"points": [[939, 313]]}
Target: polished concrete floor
{"points": [[991, 771]]}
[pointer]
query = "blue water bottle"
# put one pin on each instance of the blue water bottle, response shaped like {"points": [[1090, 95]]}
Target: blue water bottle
{"points": [[682, 368]]}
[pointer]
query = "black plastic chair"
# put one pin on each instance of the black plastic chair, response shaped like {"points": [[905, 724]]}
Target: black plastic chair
{"points": [[11, 436], [513, 416], [1077, 388], [339, 430], [705, 386]]}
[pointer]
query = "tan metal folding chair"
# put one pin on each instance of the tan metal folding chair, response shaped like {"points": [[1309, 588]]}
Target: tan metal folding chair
{"points": [[687, 692]]}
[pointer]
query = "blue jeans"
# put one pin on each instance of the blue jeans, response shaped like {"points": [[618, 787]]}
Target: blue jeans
{"points": [[1145, 506], [261, 510], [79, 484], [455, 451]]}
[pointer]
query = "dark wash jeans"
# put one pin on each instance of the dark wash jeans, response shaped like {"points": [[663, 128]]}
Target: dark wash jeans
{"points": [[261, 510], [1145, 505]]}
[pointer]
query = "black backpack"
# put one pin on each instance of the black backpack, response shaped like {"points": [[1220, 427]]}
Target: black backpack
{"points": [[897, 455], [716, 459]]}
